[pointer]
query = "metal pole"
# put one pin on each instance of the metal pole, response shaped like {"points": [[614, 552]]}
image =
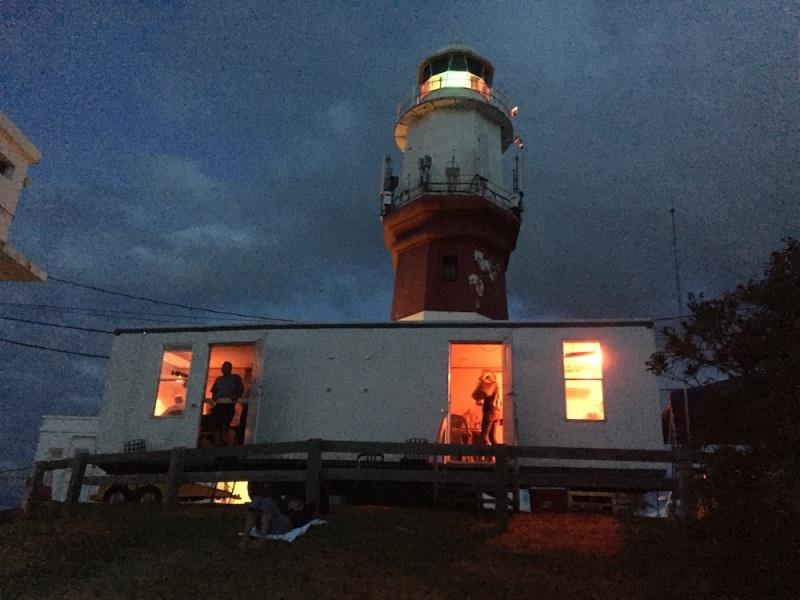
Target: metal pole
{"points": [[679, 306]]}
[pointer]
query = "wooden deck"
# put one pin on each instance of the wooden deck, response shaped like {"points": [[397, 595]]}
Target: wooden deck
{"points": [[337, 467]]}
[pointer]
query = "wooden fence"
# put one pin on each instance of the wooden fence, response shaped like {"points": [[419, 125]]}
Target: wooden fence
{"points": [[170, 468]]}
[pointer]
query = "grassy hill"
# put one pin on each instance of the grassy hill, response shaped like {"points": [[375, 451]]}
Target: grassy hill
{"points": [[381, 553]]}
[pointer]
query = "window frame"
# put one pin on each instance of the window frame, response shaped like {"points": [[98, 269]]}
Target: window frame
{"points": [[565, 379], [164, 349], [450, 267]]}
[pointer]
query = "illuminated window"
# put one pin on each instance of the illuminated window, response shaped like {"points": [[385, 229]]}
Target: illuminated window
{"points": [[172, 380], [450, 265], [454, 79], [583, 380]]}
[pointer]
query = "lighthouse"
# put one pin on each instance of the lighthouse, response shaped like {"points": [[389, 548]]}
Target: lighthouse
{"points": [[448, 220]]}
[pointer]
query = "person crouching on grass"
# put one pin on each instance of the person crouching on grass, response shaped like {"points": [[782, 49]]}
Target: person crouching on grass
{"points": [[270, 514]]}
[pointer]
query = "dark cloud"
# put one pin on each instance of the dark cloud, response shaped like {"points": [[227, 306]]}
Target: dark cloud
{"points": [[229, 156]]}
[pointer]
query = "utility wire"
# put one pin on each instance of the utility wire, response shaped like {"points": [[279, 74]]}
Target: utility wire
{"points": [[46, 324], [16, 470], [113, 313], [53, 349], [146, 299]]}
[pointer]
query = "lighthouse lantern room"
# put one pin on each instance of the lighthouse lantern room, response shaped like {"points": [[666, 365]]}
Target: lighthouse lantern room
{"points": [[447, 219]]}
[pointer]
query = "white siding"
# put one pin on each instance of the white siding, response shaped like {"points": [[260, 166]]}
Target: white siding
{"points": [[386, 384], [68, 435]]}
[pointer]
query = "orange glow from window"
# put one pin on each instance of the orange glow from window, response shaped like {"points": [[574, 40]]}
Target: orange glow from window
{"points": [[455, 79], [467, 363], [172, 382], [583, 380]]}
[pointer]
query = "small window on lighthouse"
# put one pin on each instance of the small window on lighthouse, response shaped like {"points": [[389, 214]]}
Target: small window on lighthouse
{"points": [[450, 272], [583, 380]]}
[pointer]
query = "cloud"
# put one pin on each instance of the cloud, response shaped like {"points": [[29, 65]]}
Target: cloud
{"points": [[341, 118], [228, 156]]}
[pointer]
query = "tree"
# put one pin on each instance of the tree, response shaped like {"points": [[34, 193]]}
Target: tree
{"points": [[750, 337]]}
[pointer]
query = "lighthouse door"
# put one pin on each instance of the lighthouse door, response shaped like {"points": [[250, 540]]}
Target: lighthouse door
{"points": [[478, 381]]}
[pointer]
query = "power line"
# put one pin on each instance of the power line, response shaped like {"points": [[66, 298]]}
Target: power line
{"points": [[175, 304], [46, 324], [113, 313], [16, 470], [53, 349]]}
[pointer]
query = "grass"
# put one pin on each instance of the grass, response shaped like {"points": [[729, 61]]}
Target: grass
{"points": [[134, 551]]}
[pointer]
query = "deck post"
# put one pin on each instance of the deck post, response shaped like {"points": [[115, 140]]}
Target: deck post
{"points": [[78, 468], [501, 488], [33, 488], [515, 501], [314, 472], [174, 475], [436, 458], [684, 465]]}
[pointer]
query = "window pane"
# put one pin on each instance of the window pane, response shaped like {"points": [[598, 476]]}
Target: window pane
{"points": [[583, 360], [450, 268], [439, 66], [584, 400], [174, 375], [458, 62], [475, 67]]}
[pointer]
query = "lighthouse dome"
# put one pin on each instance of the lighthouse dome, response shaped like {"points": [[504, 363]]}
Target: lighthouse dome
{"points": [[455, 65]]}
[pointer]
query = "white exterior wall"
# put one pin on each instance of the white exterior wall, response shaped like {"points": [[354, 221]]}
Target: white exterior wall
{"points": [[445, 132], [386, 383], [68, 435]]}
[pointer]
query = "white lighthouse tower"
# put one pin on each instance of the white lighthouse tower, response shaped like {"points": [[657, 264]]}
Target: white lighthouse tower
{"points": [[448, 220]]}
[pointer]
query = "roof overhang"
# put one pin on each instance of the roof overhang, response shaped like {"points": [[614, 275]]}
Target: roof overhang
{"points": [[15, 267]]}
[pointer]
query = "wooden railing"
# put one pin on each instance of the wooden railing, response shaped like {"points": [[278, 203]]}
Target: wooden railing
{"points": [[170, 468]]}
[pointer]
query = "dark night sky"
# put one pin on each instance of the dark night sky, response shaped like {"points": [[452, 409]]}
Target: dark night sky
{"points": [[229, 155]]}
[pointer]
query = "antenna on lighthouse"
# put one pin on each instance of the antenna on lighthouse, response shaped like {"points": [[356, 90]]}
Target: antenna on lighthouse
{"points": [[519, 160], [388, 185]]}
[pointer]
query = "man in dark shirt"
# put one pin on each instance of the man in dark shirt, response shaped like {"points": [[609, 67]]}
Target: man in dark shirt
{"points": [[227, 389]]}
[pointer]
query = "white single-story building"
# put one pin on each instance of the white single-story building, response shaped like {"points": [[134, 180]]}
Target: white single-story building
{"points": [[571, 384]]}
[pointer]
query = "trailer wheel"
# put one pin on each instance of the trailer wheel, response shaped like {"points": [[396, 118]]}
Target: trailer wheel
{"points": [[117, 495], [148, 495]]}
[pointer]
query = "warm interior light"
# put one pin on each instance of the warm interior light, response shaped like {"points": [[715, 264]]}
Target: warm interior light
{"points": [[175, 367], [583, 380], [468, 362], [455, 79]]}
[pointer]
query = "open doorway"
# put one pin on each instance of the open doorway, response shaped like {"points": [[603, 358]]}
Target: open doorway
{"points": [[226, 425], [470, 365]]}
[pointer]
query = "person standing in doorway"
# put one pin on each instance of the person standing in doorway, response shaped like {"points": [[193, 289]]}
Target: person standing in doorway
{"points": [[488, 395], [225, 392]]}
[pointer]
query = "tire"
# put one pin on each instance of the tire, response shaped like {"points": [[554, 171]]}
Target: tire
{"points": [[148, 495], [117, 494]]}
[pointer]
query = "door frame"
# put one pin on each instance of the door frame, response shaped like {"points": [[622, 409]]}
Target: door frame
{"points": [[254, 397], [509, 406]]}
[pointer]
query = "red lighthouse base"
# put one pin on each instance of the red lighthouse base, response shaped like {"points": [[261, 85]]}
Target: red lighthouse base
{"points": [[450, 255]]}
